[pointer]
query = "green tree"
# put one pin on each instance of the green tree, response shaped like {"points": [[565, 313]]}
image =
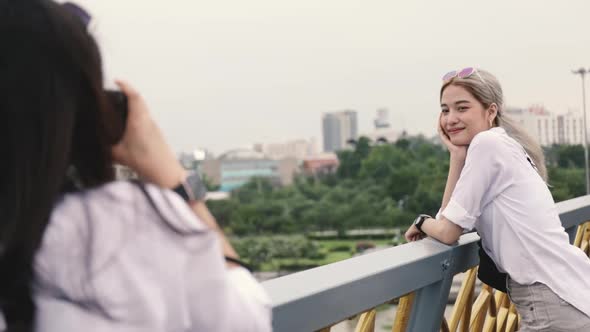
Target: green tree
{"points": [[208, 182], [383, 185], [350, 161], [565, 156], [566, 183]]}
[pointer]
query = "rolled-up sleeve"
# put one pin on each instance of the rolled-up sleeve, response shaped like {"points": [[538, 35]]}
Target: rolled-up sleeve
{"points": [[484, 176]]}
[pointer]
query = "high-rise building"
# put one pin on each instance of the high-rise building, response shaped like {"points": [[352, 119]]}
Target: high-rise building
{"points": [[549, 128], [338, 129], [382, 131], [382, 120], [193, 160]]}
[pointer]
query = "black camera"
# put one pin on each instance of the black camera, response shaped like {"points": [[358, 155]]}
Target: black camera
{"points": [[118, 103]]}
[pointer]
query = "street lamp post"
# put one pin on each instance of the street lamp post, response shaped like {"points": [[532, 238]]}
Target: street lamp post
{"points": [[582, 72]]}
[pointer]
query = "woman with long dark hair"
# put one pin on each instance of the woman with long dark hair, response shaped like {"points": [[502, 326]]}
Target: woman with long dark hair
{"points": [[80, 251]]}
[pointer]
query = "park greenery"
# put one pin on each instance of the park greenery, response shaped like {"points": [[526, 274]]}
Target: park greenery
{"points": [[377, 185]]}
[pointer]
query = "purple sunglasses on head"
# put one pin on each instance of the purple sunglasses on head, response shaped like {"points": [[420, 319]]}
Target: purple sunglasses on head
{"points": [[463, 73], [78, 11]]}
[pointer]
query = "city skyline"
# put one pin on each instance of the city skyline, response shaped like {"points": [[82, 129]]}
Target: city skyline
{"points": [[229, 74]]}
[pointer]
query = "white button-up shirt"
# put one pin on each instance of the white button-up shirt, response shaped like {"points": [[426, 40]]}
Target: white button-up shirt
{"points": [[500, 194], [108, 262]]}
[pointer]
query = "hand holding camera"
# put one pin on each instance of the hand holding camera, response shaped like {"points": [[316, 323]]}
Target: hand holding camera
{"points": [[143, 147]]}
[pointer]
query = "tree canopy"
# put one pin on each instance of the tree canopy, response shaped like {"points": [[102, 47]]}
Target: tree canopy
{"points": [[376, 185]]}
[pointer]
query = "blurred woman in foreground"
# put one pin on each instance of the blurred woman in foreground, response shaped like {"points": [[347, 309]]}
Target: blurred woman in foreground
{"points": [[80, 251]]}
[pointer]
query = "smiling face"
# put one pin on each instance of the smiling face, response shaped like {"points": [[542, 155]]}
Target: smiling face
{"points": [[463, 116]]}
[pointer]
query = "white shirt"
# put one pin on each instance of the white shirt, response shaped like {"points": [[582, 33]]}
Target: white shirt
{"points": [[501, 195], [108, 262]]}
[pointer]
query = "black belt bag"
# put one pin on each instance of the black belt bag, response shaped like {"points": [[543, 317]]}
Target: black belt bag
{"points": [[488, 272]]}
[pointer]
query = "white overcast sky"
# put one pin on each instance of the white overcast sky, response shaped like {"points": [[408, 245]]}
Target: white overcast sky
{"points": [[223, 74]]}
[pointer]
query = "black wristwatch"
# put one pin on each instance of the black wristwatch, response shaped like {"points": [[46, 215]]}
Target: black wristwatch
{"points": [[192, 189], [420, 220]]}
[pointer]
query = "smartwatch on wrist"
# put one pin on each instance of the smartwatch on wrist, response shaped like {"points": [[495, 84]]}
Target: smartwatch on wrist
{"points": [[192, 188], [420, 220]]}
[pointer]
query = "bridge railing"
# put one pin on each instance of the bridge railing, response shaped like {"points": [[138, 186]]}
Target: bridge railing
{"points": [[313, 299]]}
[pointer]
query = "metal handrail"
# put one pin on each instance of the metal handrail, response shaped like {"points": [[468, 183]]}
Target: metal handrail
{"points": [[319, 297]]}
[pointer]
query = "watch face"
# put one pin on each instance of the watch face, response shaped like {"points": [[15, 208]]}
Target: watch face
{"points": [[197, 186], [417, 219], [420, 221]]}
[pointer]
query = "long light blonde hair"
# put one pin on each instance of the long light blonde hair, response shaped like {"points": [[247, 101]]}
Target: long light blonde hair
{"points": [[485, 87]]}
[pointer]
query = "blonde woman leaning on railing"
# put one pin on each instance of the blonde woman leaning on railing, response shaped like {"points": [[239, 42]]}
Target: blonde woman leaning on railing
{"points": [[497, 185]]}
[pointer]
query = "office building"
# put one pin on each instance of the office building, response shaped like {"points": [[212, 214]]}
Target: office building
{"points": [[548, 128], [236, 167], [298, 149], [382, 120], [338, 128]]}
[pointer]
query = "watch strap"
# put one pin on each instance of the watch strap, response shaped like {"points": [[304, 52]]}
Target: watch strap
{"points": [[238, 262], [192, 188], [182, 191], [420, 220]]}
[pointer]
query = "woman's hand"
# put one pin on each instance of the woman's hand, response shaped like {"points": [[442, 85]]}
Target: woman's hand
{"points": [[143, 147], [413, 234], [458, 152]]}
